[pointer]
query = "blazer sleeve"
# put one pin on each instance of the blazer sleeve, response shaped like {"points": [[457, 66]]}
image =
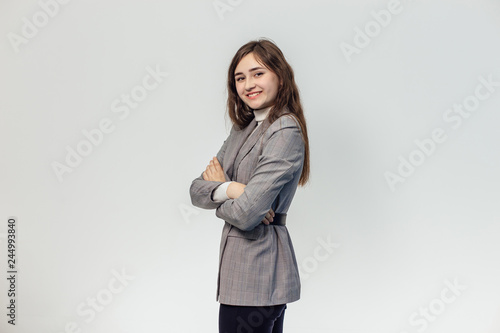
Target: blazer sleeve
{"points": [[201, 190], [282, 156]]}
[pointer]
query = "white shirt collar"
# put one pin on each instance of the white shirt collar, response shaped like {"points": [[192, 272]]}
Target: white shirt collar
{"points": [[261, 114]]}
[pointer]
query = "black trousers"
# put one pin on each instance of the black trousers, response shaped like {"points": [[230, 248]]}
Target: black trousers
{"points": [[251, 319]]}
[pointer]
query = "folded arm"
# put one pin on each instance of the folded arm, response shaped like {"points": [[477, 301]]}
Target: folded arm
{"points": [[201, 190], [281, 158]]}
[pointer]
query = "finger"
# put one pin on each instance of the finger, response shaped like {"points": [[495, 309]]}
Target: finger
{"points": [[214, 168], [211, 168], [217, 164], [266, 219], [209, 172], [269, 217]]}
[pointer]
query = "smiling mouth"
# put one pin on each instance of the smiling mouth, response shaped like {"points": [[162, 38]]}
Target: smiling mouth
{"points": [[252, 95]]}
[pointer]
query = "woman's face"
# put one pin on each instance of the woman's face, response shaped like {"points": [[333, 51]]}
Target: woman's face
{"points": [[256, 85]]}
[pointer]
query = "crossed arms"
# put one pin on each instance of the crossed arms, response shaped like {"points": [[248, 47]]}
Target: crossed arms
{"points": [[249, 205], [230, 190]]}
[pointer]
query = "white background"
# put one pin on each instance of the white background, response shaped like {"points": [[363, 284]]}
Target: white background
{"points": [[125, 208]]}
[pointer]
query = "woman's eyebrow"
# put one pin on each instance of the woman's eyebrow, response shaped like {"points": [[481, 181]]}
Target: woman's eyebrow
{"points": [[251, 70]]}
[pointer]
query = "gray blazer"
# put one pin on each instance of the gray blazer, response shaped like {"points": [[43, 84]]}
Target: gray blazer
{"points": [[257, 264]]}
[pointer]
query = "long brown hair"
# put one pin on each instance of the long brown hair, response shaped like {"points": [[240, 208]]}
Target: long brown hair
{"points": [[269, 55]]}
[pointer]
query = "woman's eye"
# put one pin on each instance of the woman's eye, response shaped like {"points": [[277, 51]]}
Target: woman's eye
{"points": [[258, 74], [238, 79]]}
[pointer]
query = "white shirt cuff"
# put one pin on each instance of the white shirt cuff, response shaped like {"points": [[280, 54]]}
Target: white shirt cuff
{"points": [[220, 194]]}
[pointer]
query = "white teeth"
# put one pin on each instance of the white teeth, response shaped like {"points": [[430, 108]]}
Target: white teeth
{"points": [[254, 94]]}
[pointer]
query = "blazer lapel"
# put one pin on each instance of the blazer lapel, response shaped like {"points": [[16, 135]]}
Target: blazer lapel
{"points": [[251, 140], [239, 139]]}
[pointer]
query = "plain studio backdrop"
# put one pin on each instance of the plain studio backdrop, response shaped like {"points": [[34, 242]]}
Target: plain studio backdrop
{"points": [[110, 109]]}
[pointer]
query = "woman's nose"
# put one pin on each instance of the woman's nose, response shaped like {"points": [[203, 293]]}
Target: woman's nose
{"points": [[249, 84]]}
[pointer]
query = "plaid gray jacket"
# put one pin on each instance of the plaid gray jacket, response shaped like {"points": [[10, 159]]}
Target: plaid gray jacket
{"points": [[257, 264]]}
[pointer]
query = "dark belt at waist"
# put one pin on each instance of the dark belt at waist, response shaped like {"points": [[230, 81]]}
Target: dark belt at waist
{"points": [[279, 219]]}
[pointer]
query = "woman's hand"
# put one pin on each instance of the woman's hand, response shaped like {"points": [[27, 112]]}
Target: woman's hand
{"points": [[214, 171], [269, 217]]}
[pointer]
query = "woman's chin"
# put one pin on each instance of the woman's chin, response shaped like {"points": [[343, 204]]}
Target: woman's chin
{"points": [[257, 106]]}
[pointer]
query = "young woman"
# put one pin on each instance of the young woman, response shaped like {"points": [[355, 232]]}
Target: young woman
{"points": [[251, 183]]}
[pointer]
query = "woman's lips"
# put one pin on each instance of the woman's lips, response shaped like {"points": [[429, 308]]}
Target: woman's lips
{"points": [[254, 94]]}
